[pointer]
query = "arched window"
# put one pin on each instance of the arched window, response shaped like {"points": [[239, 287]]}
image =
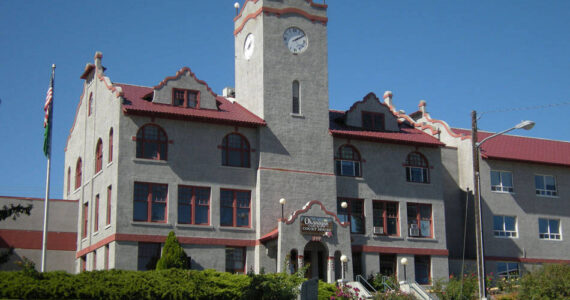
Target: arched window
{"points": [[68, 180], [152, 142], [417, 168], [235, 151], [90, 108], [99, 156], [296, 101], [78, 173], [110, 159], [348, 161]]}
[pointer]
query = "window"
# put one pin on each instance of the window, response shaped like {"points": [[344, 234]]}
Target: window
{"points": [[385, 217], [151, 142], [193, 205], [68, 180], [85, 220], [354, 212], [387, 264], [148, 255], [109, 193], [545, 185], [422, 269], [185, 98], [502, 181], [83, 263], [505, 226], [107, 257], [235, 208], [110, 159], [96, 219], [419, 220], [549, 229], [296, 109], [417, 168], [99, 156], [78, 173], [348, 161], [90, 108], [235, 151], [235, 260], [372, 120], [150, 202], [508, 270]]}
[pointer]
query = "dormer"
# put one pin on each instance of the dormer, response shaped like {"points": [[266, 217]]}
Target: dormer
{"points": [[371, 114], [184, 90]]}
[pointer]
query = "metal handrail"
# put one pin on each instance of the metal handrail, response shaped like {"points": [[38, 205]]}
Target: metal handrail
{"points": [[387, 283], [365, 283]]}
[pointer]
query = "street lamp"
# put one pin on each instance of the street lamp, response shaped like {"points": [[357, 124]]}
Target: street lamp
{"points": [[527, 125], [344, 260], [282, 201], [404, 262]]}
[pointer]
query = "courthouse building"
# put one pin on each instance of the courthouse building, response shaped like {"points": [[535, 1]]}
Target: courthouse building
{"points": [[368, 182]]}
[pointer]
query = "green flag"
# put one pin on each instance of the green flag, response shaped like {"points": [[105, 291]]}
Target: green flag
{"points": [[47, 119]]}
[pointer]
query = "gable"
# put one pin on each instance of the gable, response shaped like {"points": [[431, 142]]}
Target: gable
{"points": [[185, 81], [370, 108]]}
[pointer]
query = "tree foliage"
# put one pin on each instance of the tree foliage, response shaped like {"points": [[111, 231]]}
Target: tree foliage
{"points": [[548, 282], [173, 255]]}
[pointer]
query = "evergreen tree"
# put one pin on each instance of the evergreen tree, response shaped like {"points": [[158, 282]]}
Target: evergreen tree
{"points": [[173, 256]]}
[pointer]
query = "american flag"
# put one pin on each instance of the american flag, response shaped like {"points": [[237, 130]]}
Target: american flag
{"points": [[47, 105]]}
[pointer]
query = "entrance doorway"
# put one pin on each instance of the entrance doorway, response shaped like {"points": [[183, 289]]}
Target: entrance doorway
{"points": [[315, 254]]}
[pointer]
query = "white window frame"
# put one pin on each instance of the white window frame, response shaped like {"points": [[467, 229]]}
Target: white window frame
{"points": [[501, 188], [504, 233], [548, 235], [545, 192]]}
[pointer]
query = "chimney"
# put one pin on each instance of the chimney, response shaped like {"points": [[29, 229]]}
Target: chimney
{"points": [[229, 92], [97, 58], [422, 106], [388, 98]]}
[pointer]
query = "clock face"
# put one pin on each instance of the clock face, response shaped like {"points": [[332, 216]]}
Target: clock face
{"points": [[248, 46], [295, 40]]}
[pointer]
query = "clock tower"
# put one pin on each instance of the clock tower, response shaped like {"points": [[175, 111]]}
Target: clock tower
{"points": [[281, 75]]}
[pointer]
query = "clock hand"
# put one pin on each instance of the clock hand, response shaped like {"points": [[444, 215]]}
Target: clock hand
{"points": [[301, 36]]}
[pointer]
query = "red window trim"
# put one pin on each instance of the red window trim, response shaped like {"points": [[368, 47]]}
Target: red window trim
{"points": [[245, 149], [85, 220], [355, 152], [193, 203], [99, 156], [418, 219], [186, 93], [234, 208], [407, 165], [349, 212], [149, 202], [96, 219], [83, 263], [385, 215], [109, 194], [160, 155], [110, 158], [373, 113], [78, 173]]}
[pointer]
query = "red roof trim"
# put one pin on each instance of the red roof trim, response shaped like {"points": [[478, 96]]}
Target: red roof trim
{"points": [[308, 206], [361, 135], [273, 234], [311, 3], [175, 116], [88, 69], [179, 74], [278, 12]]}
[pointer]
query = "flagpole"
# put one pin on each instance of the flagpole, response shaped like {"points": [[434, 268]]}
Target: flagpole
{"points": [[46, 201]]}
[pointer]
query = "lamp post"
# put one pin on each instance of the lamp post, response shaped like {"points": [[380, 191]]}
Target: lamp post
{"points": [[404, 262], [282, 201], [343, 260], [527, 125]]}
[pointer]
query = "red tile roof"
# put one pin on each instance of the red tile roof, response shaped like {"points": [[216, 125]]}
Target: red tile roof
{"points": [[520, 148], [227, 112], [406, 135]]}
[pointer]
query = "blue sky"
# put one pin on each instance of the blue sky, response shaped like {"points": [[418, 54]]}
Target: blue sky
{"points": [[459, 56]]}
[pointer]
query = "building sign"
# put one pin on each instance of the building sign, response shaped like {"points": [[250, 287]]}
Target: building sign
{"points": [[316, 225]]}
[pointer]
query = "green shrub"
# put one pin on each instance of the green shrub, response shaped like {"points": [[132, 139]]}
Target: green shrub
{"points": [[326, 290], [393, 295], [173, 255], [457, 289], [381, 282], [278, 286], [548, 282]]}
